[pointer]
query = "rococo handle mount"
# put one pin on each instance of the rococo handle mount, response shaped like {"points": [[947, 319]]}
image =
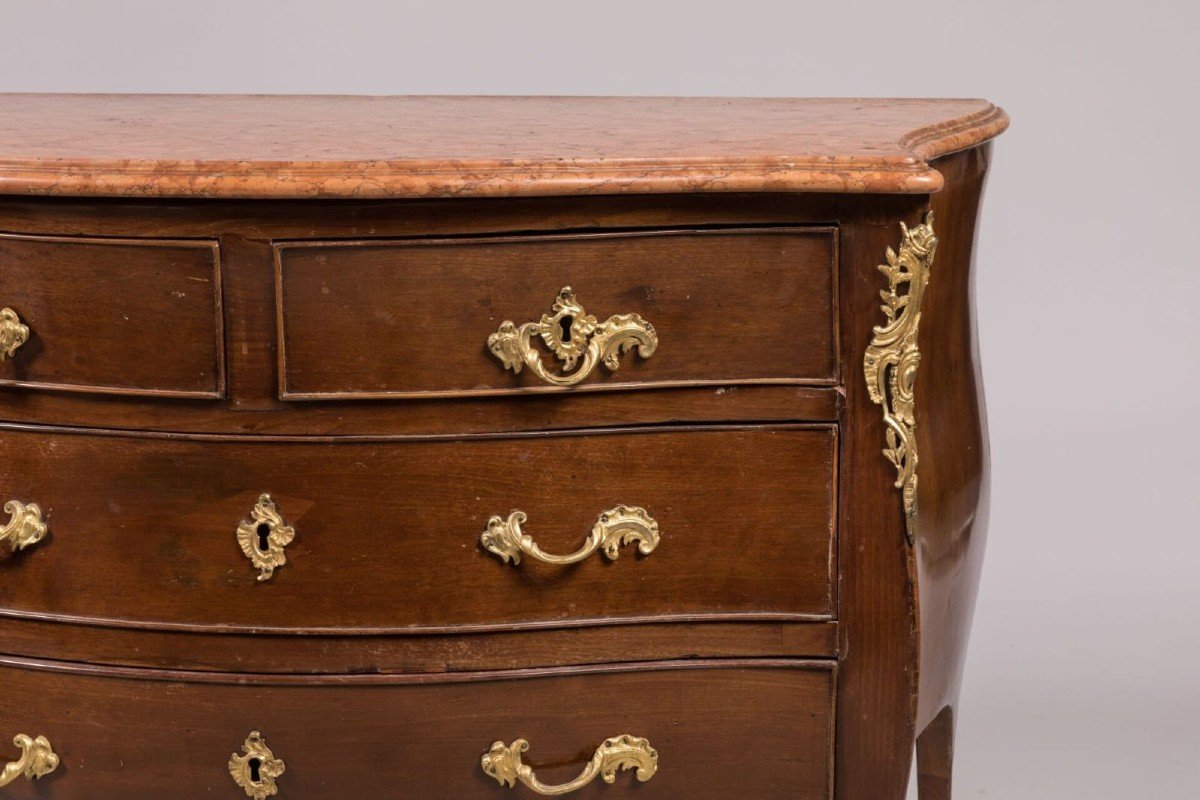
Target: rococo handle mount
{"points": [[615, 527], [891, 360], [572, 334], [37, 760], [13, 333], [503, 762], [25, 527]]}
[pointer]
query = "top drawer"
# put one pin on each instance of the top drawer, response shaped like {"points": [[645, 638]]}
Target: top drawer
{"points": [[379, 319], [115, 316]]}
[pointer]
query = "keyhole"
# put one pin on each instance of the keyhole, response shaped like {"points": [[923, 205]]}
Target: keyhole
{"points": [[565, 323], [264, 531], [254, 764]]}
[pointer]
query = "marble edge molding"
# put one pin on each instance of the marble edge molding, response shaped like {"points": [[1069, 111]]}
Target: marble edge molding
{"points": [[401, 179]]}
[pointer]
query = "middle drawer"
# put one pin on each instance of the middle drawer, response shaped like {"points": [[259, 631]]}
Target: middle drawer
{"points": [[191, 533]]}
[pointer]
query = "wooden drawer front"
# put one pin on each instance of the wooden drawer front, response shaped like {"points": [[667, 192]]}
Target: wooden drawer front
{"points": [[117, 316], [388, 534], [720, 730], [397, 318]]}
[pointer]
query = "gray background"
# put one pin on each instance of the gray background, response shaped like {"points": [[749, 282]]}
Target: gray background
{"points": [[1084, 674]]}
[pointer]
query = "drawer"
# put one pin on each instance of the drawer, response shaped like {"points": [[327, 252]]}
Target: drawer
{"points": [[376, 319], [143, 530], [759, 729], [114, 316]]}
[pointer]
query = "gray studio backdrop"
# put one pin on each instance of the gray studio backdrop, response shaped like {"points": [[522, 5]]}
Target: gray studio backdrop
{"points": [[1084, 674]]}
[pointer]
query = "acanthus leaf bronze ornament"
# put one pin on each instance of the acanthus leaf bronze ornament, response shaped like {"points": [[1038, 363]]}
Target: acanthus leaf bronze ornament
{"points": [[26, 526], [13, 333], [263, 537], [890, 362], [616, 527], [257, 768], [37, 760], [503, 762], [575, 337]]}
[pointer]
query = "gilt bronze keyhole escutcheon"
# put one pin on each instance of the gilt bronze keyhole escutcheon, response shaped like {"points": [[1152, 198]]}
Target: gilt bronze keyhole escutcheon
{"points": [[263, 537], [256, 768], [576, 338]]}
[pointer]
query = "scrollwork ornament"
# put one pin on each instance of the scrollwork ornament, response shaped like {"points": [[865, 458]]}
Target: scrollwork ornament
{"points": [[256, 769], [890, 361], [37, 760], [616, 527], [503, 762], [263, 537], [575, 337], [13, 333], [25, 527]]}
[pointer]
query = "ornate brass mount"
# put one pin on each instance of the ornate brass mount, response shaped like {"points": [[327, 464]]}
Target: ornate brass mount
{"points": [[892, 357], [37, 760], [25, 528], [257, 768], [263, 536], [619, 753], [615, 527], [572, 334], [13, 334]]}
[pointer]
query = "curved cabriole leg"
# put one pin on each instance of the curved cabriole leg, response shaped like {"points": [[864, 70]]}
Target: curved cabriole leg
{"points": [[935, 757]]}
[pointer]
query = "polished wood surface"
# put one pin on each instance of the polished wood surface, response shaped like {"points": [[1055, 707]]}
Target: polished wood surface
{"points": [[390, 147], [952, 430], [333, 354], [365, 319], [935, 757], [759, 728], [877, 686], [247, 232], [360, 652], [400, 523], [117, 316]]}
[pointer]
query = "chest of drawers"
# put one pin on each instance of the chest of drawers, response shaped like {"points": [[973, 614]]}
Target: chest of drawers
{"points": [[486, 447]]}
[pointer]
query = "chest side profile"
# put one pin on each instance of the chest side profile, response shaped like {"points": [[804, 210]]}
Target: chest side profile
{"points": [[487, 447]]}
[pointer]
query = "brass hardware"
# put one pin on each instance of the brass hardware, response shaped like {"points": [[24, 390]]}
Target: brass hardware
{"points": [[37, 760], [27, 527], [263, 537], [257, 769], [891, 359], [617, 526], [621, 752], [571, 333], [13, 334]]}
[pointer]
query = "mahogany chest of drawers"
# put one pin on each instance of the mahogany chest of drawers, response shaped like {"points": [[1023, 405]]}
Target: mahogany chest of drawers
{"points": [[466, 448]]}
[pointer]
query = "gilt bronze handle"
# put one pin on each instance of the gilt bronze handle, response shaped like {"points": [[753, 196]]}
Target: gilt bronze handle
{"points": [[574, 336], [615, 527], [25, 528], [13, 333], [503, 762], [37, 760]]}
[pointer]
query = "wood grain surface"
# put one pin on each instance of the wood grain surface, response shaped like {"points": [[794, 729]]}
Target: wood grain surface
{"points": [[952, 433], [412, 318], [115, 316], [721, 729], [358, 652], [387, 532]]}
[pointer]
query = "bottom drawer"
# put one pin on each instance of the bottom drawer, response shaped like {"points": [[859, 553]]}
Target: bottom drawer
{"points": [[712, 729]]}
